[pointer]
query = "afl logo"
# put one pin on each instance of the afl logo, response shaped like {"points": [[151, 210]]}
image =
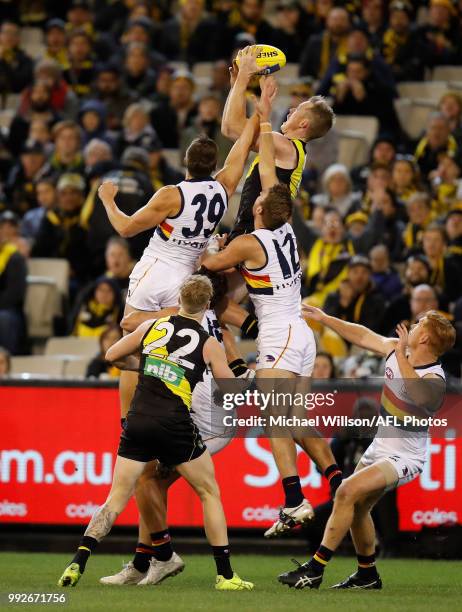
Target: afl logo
{"points": [[388, 372]]}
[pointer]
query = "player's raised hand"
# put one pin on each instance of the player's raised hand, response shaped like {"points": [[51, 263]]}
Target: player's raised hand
{"points": [[248, 61], [107, 192], [233, 72], [403, 338], [311, 312]]}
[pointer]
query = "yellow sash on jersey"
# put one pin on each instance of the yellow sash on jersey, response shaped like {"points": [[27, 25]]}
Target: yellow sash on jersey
{"points": [[6, 251]]}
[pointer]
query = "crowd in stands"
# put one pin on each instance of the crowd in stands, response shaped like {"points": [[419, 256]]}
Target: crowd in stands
{"points": [[113, 88]]}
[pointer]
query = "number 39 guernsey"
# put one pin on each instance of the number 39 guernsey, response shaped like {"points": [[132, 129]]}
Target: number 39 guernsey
{"points": [[183, 238]]}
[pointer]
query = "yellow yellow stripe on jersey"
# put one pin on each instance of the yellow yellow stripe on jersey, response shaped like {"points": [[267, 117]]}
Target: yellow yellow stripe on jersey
{"points": [[296, 176], [153, 336]]}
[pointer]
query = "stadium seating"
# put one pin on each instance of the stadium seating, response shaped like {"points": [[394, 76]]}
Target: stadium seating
{"points": [[84, 347], [50, 367], [425, 90], [42, 304], [353, 148], [447, 73], [75, 367], [367, 126], [414, 114], [173, 157]]}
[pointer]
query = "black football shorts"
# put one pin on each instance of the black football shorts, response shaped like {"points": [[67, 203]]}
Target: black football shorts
{"points": [[172, 438]]}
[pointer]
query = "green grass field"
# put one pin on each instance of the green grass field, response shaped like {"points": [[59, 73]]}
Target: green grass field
{"points": [[408, 586]]}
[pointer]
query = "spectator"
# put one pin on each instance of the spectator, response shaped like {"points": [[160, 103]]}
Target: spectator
{"points": [[80, 18], [40, 132], [160, 171], [11, 233], [96, 152], [79, 72], [423, 299], [63, 99], [440, 35], [356, 223], [393, 212], [385, 278], [363, 304], [374, 18], [446, 183], [420, 214], [190, 36], [134, 191], [92, 120], [40, 108], [337, 190], [437, 140], [143, 32], [417, 272], [324, 367], [401, 45], [378, 180], [383, 154], [292, 25], [453, 226], [99, 367], [322, 48], [359, 92], [207, 122], [137, 131], [55, 41], [45, 193], [450, 106], [15, 66], [169, 119], [67, 156], [5, 362], [445, 274], [31, 167], [115, 96], [60, 233], [329, 253], [405, 177], [253, 22], [138, 77], [99, 306], [220, 80], [13, 272], [119, 262]]}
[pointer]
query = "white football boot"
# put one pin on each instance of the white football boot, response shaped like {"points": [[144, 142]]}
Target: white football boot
{"points": [[159, 570], [290, 518], [127, 575]]}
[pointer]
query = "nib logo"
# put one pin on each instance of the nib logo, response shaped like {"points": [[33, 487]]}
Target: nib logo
{"points": [[167, 372]]}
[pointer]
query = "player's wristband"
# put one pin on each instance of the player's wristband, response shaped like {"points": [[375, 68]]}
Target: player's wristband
{"points": [[238, 367], [266, 127]]}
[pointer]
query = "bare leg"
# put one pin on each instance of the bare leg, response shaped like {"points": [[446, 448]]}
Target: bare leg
{"points": [[318, 450], [200, 473], [126, 473], [151, 497], [127, 380]]}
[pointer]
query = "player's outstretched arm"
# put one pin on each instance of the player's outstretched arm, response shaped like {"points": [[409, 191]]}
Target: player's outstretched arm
{"points": [[352, 332], [267, 164], [133, 319], [234, 113], [242, 248], [128, 344], [215, 356], [233, 169], [164, 203]]}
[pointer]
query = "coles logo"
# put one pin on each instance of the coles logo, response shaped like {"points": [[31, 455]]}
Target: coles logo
{"points": [[388, 372], [81, 510], [8, 508], [434, 517], [261, 514]]}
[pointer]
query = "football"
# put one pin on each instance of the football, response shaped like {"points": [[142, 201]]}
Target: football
{"points": [[269, 59]]}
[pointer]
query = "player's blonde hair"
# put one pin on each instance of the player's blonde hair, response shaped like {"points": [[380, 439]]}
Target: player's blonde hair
{"points": [[441, 331], [322, 117], [195, 293]]}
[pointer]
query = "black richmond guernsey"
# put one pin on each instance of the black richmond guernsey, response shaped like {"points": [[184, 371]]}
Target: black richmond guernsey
{"points": [[171, 365]]}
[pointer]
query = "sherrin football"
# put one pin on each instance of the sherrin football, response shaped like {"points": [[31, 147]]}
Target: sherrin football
{"points": [[269, 59]]}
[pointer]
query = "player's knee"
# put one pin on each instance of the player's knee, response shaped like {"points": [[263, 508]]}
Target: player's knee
{"points": [[207, 488], [346, 493]]}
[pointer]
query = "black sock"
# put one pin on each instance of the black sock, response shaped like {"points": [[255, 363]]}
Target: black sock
{"points": [[334, 476], [143, 554], [249, 328], [86, 547], [222, 561], [320, 558], [293, 491], [366, 567], [161, 545]]}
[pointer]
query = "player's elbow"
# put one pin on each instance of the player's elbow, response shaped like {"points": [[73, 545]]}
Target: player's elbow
{"points": [[126, 232], [110, 354]]}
